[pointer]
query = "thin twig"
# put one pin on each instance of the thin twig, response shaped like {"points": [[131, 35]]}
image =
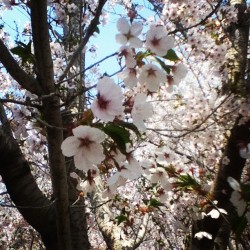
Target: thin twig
{"points": [[89, 32]]}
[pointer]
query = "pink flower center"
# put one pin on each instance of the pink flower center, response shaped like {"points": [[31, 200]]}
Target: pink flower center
{"points": [[102, 102], [170, 79], [166, 155], [85, 142], [151, 72], [155, 42], [132, 72]]}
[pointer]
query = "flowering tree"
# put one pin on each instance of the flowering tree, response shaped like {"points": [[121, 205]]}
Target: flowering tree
{"points": [[151, 155]]}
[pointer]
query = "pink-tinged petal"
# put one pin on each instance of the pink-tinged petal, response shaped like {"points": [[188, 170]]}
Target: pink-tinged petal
{"points": [[111, 95], [136, 29], [169, 42], [100, 113], [121, 39], [70, 145], [94, 153], [81, 131], [135, 42], [96, 135], [81, 161], [152, 86], [123, 25], [108, 88], [139, 123], [113, 179]]}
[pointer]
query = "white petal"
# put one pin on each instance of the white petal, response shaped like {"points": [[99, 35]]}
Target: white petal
{"points": [[121, 39], [81, 162], [214, 213], [202, 234], [136, 29], [96, 135], [113, 179], [139, 124], [233, 184], [70, 145], [81, 131], [152, 86], [123, 25], [94, 153], [135, 42]]}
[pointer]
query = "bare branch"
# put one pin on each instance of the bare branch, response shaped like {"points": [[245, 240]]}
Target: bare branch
{"points": [[26, 81], [90, 31]]}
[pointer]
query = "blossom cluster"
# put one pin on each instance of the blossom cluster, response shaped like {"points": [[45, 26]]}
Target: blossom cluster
{"points": [[141, 139], [145, 77]]}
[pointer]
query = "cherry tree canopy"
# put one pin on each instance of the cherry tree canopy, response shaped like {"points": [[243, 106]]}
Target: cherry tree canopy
{"points": [[146, 147]]}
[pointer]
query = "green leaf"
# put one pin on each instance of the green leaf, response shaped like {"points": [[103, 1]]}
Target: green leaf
{"points": [[130, 126], [238, 225], [24, 52], [246, 191], [187, 182], [121, 218], [163, 65], [119, 134], [155, 203], [171, 56], [141, 55], [97, 30]]}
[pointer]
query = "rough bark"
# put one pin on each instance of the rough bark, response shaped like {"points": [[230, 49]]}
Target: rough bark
{"points": [[238, 34], [109, 229], [38, 210], [52, 116], [221, 191]]}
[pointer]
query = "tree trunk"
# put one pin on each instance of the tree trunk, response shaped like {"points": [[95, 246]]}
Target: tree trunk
{"points": [[221, 191], [24, 192], [53, 119]]}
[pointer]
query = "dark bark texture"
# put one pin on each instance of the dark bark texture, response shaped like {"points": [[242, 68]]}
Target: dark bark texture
{"points": [[237, 84], [38, 210]]}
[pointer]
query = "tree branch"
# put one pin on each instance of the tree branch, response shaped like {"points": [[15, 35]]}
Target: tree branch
{"points": [[26, 81], [52, 116], [22, 188], [90, 31]]}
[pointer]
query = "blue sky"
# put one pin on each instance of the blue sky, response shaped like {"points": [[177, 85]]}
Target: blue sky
{"points": [[105, 40]]}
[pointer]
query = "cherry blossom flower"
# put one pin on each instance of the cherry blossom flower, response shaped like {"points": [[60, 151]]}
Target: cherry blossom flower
{"points": [[108, 103], [129, 33], [72, 8], [151, 76], [88, 185], [202, 234], [238, 202], [164, 156], [128, 54], [159, 175], [141, 111], [234, 184], [245, 151], [236, 196], [85, 146], [147, 165], [129, 76], [225, 160], [130, 170], [158, 41], [215, 213], [179, 73]]}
